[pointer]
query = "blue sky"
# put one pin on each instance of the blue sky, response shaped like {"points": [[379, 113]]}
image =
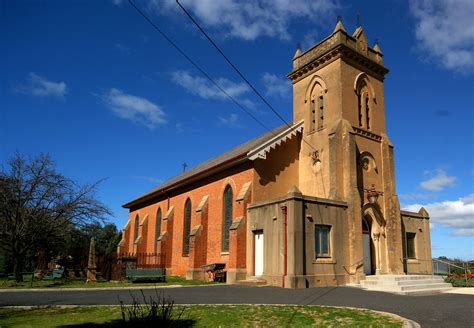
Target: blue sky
{"points": [[92, 84]]}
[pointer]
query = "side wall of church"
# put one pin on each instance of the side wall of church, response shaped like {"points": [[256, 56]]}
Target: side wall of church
{"points": [[276, 174], [298, 217], [172, 225], [419, 227]]}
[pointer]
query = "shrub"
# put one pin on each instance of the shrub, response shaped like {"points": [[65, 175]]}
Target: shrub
{"points": [[459, 280], [156, 311]]}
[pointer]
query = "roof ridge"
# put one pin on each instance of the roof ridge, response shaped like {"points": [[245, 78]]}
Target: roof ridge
{"points": [[233, 153]]}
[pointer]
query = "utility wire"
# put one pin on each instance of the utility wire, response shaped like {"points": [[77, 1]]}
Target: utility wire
{"points": [[197, 66], [237, 70], [231, 64]]}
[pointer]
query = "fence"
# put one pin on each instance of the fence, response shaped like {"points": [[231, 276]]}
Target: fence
{"points": [[142, 260]]}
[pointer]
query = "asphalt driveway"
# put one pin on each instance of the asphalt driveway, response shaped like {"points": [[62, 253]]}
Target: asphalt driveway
{"points": [[444, 310]]}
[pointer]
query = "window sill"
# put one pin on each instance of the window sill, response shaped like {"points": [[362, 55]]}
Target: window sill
{"points": [[324, 260], [316, 130], [413, 261], [224, 253]]}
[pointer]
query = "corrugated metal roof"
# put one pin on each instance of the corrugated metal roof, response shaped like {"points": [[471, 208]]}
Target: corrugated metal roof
{"points": [[233, 154]]}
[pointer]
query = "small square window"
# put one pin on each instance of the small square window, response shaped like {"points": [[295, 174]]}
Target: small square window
{"points": [[322, 240], [411, 254]]}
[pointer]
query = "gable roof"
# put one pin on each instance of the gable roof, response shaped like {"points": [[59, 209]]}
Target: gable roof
{"points": [[225, 160]]}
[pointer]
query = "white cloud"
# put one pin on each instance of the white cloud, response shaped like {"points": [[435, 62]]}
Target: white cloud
{"points": [[123, 49], [250, 19], [309, 40], [42, 87], [203, 88], [133, 108], [445, 31], [232, 120], [276, 86], [417, 196], [457, 215], [438, 182], [179, 127]]}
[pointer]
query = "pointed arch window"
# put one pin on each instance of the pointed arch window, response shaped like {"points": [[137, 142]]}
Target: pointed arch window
{"points": [[135, 228], [315, 102], [226, 217], [321, 112], [157, 228], [317, 108], [365, 100], [367, 111], [187, 226]]}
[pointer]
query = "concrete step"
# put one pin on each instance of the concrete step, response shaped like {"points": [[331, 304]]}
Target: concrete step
{"points": [[406, 285], [400, 282], [252, 281], [417, 292], [401, 277], [409, 288]]}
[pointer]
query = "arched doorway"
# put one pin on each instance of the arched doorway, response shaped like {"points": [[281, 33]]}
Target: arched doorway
{"points": [[367, 246], [376, 223]]}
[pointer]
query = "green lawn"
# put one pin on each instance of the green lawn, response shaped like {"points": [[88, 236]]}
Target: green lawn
{"points": [[203, 316], [81, 283]]}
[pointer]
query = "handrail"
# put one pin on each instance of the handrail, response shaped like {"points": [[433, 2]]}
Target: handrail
{"points": [[450, 264]]}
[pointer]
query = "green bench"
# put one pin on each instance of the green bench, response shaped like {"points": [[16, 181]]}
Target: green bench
{"points": [[148, 274], [56, 274]]}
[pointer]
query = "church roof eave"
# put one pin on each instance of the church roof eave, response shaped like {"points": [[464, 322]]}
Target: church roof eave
{"points": [[262, 150], [249, 151]]}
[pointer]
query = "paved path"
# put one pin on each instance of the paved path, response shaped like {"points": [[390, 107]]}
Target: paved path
{"points": [[444, 310]]}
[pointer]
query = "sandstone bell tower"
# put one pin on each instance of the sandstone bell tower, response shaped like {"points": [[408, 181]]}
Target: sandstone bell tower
{"points": [[345, 154]]}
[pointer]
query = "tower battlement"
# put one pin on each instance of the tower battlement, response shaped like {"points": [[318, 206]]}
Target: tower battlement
{"points": [[339, 44]]}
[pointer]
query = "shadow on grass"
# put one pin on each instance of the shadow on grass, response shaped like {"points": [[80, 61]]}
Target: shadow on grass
{"points": [[178, 323]]}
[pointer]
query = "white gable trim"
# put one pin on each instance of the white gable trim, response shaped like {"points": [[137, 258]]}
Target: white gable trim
{"points": [[262, 150]]}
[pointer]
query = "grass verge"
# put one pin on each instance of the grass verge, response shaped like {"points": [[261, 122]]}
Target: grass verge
{"points": [[204, 316], [81, 283]]}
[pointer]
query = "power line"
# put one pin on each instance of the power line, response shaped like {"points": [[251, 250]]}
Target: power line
{"points": [[231, 64], [197, 66], [237, 70]]}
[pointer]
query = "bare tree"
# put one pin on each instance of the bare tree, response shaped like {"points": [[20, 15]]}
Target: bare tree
{"points": [[38, 206]]}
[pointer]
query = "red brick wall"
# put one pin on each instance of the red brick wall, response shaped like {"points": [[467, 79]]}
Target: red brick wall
{"points": [[214, 187]]}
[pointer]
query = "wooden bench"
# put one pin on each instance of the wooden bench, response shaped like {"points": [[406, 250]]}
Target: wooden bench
{"points": [[146, 274]]}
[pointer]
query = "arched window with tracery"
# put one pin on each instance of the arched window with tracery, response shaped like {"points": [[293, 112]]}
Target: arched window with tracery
{"points": [[316, 104], [135, 228], [365, 100], [317, 108], [157, 227], [187, 226], [226, 217]]}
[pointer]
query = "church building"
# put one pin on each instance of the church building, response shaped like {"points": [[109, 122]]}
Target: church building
{"points": [[312, 203]]}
